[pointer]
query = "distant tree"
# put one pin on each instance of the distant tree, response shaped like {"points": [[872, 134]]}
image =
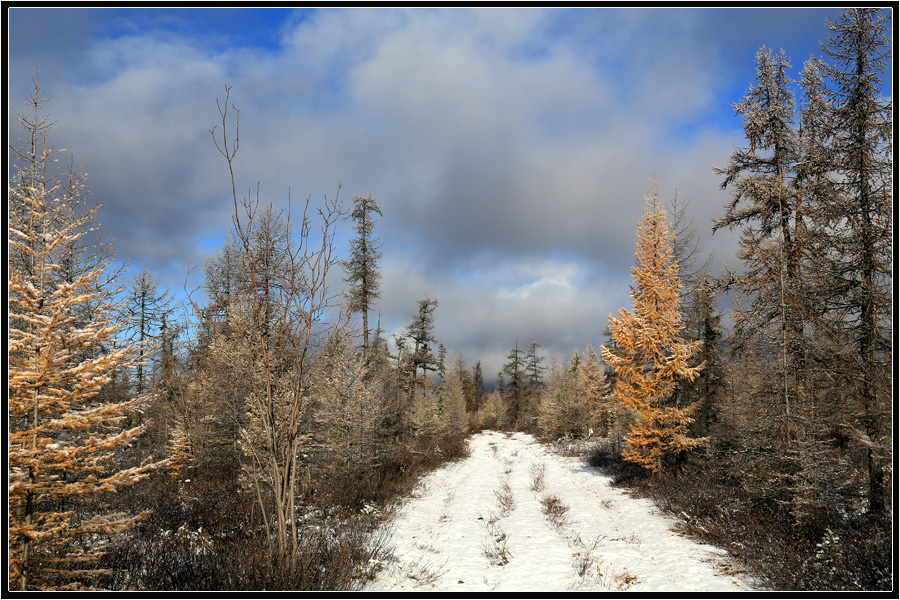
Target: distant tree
{"points": [[534, 368], [454, 419], [650, 355], [515, 389], [421, 332], [478, 390], [363, 274], [687, 246], [224, 277], [65, 433], [145, 308], [593, 390], [560, 413]]}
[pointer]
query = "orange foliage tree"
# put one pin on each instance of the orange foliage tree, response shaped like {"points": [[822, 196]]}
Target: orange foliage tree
{"points": [[648, 354], [64, 426]]}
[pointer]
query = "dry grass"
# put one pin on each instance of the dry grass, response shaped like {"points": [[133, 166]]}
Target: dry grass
{"points": [[555, 511]]}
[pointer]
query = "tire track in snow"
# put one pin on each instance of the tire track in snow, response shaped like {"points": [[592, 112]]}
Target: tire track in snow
{"points": [[487, 522]]}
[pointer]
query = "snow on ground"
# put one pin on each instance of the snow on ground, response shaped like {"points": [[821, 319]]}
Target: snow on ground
{"points": [[515, 516]]}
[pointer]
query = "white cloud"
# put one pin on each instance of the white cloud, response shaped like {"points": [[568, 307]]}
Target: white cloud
{"points": [[497, 141]]}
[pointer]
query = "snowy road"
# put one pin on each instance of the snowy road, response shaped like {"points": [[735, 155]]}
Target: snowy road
{"points": [[514, 516]]}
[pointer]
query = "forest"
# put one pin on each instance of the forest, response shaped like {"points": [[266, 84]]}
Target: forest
{"points": [[252, 434]]}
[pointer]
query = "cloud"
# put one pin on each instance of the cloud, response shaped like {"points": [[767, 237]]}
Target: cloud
{"points": [[510, 149]]}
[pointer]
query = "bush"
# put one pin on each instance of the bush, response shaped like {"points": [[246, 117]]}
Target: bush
{"points": [[738, 499]]}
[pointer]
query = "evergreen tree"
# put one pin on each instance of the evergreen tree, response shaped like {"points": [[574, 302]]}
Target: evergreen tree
{"points": [[478, 390], [703, 323], [514, 389], [421, 331], [362, 267], [650, 355], [535, 371]]}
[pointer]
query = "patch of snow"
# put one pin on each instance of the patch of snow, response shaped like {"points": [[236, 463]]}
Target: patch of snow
{"points": [[515, 516]]}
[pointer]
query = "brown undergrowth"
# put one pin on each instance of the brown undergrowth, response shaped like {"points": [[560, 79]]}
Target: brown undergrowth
{"points": [[713, 500]]}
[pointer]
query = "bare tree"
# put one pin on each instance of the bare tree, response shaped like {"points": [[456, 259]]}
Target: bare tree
{"points": [[287, 321]]}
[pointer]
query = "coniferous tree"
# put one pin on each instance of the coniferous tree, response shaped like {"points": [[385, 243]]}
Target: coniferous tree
{"points": [[650, 355], [349, 408], [454, 419], [63, 433], [514, 389], [533, 367], [687, 246], [421, 331], [765, 206], [560, 414], [703, 323], [362, 267], [857, 219], [478, 389], [145, 308], [593, 391]]}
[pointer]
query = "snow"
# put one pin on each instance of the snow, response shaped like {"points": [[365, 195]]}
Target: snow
{"points": [[479, 524]]}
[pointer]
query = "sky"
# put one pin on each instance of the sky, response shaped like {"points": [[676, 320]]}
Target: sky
{"points": [[509, 148]]}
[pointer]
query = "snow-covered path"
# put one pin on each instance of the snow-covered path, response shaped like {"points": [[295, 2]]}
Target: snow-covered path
{"points": [[514, 516]]}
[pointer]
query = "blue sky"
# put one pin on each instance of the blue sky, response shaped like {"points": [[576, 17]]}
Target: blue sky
{"points": [[510, 149]]}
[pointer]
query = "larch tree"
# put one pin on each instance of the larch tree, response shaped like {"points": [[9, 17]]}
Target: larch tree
{"points": [[857, 219], [453, 417], [649, 355], [594, 391], [362, 273], [560, 413], [349, 407], [766, 209], [687, 246], [64, 435], [145, 308]]}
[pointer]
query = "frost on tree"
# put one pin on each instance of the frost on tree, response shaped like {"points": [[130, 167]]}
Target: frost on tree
{"points": [[649, 355], [64, 436]]}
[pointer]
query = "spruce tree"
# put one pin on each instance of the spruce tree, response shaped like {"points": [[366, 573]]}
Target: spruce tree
{"points": [[362, 271], [421, 331]]}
